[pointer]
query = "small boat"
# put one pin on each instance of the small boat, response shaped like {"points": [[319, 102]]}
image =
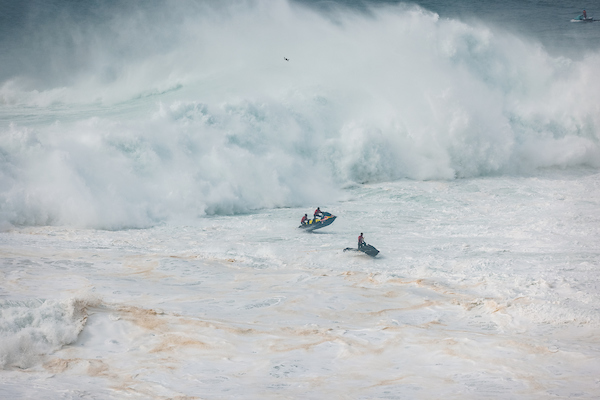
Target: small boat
{"points": [[317, 223], [581, 18], [367, 249]]}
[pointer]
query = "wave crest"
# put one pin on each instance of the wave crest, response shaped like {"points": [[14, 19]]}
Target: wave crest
{"points": [[227, 126]]}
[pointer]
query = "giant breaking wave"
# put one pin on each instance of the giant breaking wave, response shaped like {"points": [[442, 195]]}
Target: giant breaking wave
{"points": [[179, 110]]}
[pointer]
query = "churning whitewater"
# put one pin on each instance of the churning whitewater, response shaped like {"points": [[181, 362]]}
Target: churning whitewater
{"points": [[156, 159]]}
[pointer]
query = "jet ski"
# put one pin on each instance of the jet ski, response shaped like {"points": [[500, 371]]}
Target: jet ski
{"points": [[317, 223], [581, 18], [367, 249]]}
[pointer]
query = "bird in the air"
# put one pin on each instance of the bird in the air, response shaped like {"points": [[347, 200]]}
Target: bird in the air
{"points": [[286, 59]]}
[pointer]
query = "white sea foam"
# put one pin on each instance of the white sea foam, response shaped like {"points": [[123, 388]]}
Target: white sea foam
{"points": [[487, 287], [33, 328]]}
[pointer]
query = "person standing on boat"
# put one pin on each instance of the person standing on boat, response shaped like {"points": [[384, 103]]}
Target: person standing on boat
{"points": [[304, 219], [361, 240], [584, 15]]}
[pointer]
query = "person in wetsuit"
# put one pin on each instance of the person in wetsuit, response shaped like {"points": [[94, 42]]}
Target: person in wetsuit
{"points": [[318, 213], [304, 219], [361, 240]]}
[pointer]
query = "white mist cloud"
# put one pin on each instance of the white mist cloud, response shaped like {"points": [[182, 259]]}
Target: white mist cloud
{"points": [[198, 112]]}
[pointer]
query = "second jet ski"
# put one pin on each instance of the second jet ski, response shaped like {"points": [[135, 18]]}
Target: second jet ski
{"points": [[366, 248]]}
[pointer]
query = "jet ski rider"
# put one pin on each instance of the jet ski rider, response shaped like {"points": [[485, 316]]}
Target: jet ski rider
{"points": [[304, 219], [318, 213], [361, 241]]}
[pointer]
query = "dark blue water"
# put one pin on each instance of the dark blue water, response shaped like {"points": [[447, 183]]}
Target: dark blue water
{"points": [[546, 21]]}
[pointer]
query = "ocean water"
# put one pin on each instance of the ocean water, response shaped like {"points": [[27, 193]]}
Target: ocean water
{"points": [[156, 159]]}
